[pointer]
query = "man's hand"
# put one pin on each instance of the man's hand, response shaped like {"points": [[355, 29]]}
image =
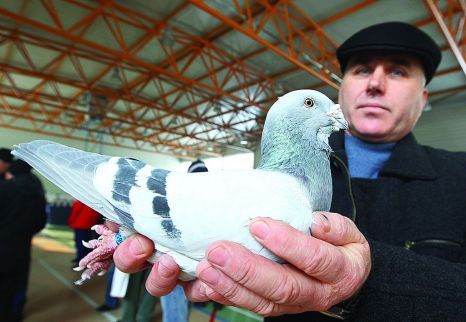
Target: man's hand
{"points": [[322, 270], [131, 255]]}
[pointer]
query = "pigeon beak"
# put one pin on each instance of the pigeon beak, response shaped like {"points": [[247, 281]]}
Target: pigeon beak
{"points": [[338, 120]]}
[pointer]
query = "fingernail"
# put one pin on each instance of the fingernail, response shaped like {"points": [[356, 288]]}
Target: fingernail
{"points": [[162, 268], [322, 219], [260, 229], [135, 246], [218, 256], [202, 289], [209, 275]]}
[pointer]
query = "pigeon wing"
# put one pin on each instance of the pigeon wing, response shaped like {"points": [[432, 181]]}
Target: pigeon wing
{"points": [[205, 207], [72, 170]]}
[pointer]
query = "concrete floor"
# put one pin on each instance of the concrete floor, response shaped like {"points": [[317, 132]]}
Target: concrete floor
{"points": [[52, 296]]}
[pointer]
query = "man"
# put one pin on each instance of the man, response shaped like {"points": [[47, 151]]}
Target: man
{"points": [[22, 214], [406, 199]]}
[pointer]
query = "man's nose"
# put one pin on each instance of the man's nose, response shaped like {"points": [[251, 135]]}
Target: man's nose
{"points": [[376, 84]]}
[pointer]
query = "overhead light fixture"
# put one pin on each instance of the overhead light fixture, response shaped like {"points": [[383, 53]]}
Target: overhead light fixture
{"points": [[217, 108], [116, 74], [86, 99], [167, 38], [214, 105], [96, 106]]}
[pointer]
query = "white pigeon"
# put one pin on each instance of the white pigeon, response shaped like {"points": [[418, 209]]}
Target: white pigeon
{"points": [[183, 213]]}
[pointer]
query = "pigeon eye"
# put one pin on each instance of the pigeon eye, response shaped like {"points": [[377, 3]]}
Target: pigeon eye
{"points": [[309, 102]]}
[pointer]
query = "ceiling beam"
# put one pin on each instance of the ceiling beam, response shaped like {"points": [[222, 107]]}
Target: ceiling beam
{"points": [[248, 28], [453, 33]]}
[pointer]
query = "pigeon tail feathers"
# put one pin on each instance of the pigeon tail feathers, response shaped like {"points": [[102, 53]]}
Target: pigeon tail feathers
{"points": [[70, 169]]}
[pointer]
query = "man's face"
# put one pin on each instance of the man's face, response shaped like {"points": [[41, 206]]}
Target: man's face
{"points": [[382, 96]]}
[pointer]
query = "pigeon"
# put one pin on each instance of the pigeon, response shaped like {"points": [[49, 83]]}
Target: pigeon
{"points": [[183, 213]]}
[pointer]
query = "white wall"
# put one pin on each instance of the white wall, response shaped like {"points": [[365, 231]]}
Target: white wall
{"points": [[443, 128]]}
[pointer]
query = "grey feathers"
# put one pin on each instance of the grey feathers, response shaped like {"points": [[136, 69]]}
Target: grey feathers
{"points": [[109, 185], [295, 141], [156, 182], [68, 168]]}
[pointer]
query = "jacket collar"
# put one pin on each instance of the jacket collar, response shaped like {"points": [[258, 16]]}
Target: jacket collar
{"points": [[409, 159]]}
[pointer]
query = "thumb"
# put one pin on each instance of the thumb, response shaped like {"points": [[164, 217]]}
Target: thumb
{"points": [[131, 255], [335, 229]]}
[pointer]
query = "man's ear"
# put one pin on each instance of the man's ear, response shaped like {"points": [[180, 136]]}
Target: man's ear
{"points": [[425, 96]]}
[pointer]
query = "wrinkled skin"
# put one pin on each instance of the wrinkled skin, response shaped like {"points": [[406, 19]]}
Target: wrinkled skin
{"points": [[382, 96]]}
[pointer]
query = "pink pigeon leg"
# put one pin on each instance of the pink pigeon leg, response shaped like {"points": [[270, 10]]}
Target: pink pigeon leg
{"points": [[101, 257]]}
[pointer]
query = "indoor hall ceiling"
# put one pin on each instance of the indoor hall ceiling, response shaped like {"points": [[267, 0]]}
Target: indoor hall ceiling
{"points": [[190, 78]]}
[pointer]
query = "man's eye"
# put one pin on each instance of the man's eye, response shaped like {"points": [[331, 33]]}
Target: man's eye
{"points": [[397, 72], [362, 71]]}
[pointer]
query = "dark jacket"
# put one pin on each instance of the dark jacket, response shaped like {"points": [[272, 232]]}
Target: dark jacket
{"points": [[414, 217], [22, 214]]}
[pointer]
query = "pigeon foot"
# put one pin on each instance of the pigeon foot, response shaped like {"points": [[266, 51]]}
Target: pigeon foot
{"points": [[99, 260]]}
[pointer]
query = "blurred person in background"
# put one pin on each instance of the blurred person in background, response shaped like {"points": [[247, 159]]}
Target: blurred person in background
{"points": [[22, 214], [81, 219], [138, 305]]}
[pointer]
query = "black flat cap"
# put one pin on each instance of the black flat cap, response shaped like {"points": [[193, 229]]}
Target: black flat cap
{"points": [[393, 36]]}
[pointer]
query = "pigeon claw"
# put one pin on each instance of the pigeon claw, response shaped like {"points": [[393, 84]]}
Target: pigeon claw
{"points": [[81, 281], [100, 259]]}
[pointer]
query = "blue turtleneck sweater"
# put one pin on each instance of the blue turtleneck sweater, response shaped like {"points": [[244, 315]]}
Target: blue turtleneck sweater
{"points": [[366, 159]]}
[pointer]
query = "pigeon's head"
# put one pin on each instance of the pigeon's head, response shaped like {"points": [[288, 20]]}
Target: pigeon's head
{"points": [[297, 127], [310, 110]]}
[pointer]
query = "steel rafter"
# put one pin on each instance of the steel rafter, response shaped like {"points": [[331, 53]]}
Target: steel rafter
{"points": [[226, 127], [203, 52], [452, 24], [115, 16], [221, 30], [50, 110], [61, 31], [63, 104], [255, 10], [287, 20]]}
